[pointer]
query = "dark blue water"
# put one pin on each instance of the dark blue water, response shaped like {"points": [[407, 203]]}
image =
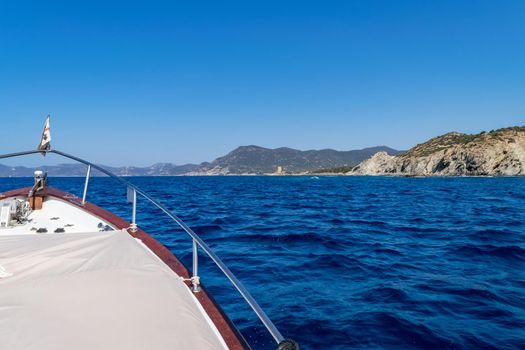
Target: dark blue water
{"points": [[350, 262]]}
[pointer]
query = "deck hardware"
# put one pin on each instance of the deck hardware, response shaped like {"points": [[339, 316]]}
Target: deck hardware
{"points": [[5, 215], [132, 197], [195, 279], [88, 173], [36, 195], [288, 344], [196, 284]]}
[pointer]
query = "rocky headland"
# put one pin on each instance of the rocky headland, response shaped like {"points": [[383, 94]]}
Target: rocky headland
{"points": [[496, 153]]}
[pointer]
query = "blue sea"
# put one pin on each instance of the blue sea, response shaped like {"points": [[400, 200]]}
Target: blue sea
{"points": [[350, 262]]}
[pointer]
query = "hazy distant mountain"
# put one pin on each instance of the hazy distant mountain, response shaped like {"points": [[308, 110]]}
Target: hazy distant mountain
{"points": [[160, 169], [260, 160], [243, 160]]}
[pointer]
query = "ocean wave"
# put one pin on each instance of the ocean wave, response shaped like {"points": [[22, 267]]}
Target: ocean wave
{"points": [[489, 251]]}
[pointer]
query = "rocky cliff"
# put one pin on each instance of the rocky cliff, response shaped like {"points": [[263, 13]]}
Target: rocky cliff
{"points": [[495, 153]]}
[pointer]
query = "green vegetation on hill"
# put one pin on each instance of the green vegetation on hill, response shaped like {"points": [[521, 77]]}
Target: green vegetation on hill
{"points": [[451, 139], [498, 152], [260, 160]]}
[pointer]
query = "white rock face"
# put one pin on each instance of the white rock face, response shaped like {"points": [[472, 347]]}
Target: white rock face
{"points": [[379, 164], [217, 170], [497, 153]]}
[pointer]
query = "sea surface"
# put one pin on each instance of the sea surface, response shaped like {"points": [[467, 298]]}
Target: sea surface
{"points": [[350, 262]]}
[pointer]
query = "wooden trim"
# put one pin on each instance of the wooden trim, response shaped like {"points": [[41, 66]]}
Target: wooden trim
{"points": [[233, 338]]}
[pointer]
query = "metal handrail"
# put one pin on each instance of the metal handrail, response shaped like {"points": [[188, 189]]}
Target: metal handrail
{"points": [[197, 241]]}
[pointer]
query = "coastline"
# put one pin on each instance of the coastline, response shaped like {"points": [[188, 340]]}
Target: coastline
{"points": [[283, 175]]}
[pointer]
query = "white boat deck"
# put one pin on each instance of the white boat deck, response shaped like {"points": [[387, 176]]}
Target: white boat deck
{"points": [[57, 214], [87, 288]]}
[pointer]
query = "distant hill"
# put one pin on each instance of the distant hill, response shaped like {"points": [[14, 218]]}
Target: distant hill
{"points": [[243, 160], [495, 153], [260, 160], [160, 169]]}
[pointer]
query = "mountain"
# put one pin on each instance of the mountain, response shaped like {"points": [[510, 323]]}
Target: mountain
{"points": [[260, 160], [160, 169], [243, 160], [496, 153]]}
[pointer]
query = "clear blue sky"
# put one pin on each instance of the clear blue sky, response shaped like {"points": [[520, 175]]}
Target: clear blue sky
{"points": [[187, 81]]}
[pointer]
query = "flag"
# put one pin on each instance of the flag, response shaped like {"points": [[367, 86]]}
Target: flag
{"points": [[45, 141]]}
